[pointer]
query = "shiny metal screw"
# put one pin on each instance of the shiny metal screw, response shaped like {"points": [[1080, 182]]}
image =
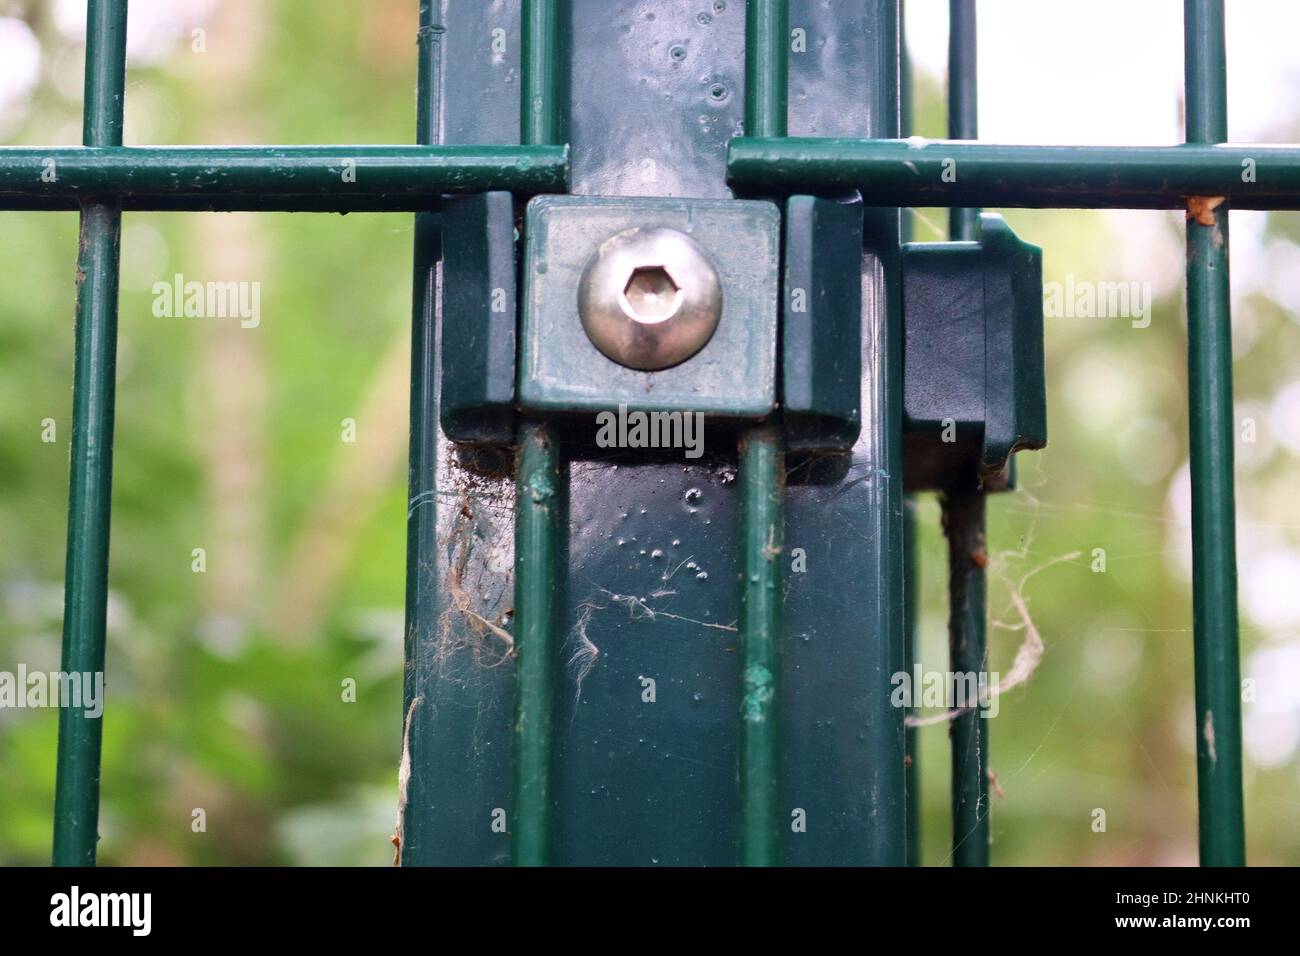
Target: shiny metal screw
{"points": [[649, 298]]}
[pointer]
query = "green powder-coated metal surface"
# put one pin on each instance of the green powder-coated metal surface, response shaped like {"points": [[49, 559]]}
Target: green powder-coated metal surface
{"points": [[821, 367], [540, 519], [278, 178], [648, 715], [479, 316], [1209, 387], [76, 793], [1040, 177], [762, 476]]}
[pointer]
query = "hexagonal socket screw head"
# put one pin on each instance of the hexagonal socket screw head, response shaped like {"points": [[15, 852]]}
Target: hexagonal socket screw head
{"points": [[649, 298]]}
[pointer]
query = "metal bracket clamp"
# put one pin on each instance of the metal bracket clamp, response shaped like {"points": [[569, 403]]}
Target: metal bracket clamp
{"points": [[821, 332], [973, 381], [478, 318], [653, 304]]}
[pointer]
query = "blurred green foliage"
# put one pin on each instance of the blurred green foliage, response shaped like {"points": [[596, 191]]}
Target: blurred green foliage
{"points": [[1107, 721], [226, 686], [215, 703]]}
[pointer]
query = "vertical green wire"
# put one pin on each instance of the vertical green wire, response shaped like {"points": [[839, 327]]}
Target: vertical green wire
{"points": [[762, 475], [540, 120], [911, 737], [539, 514], [422, 607], [964, 514], [767, 67], [963, 100], [76, 793], [762, 471], [963, 525], [1214, 549]]}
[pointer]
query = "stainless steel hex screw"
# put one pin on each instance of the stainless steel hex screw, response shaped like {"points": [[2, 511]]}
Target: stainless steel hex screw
{"points": [[650, 298]]}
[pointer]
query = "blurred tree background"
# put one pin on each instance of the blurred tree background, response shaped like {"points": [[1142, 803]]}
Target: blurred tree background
{"points": [[226, 683]]}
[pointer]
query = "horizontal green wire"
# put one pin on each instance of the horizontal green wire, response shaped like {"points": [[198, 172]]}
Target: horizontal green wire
{"points": [[285, 178], [958, 174]]}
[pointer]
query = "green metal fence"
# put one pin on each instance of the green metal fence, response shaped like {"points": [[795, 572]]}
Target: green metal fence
{"points": [[104, 177]]}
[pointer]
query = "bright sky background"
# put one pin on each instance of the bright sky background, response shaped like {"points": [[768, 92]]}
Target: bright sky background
{"points": [[1110, 72]]}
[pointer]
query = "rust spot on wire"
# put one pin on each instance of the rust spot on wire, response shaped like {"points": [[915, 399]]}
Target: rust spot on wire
{"points": [[1201, 208]]}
